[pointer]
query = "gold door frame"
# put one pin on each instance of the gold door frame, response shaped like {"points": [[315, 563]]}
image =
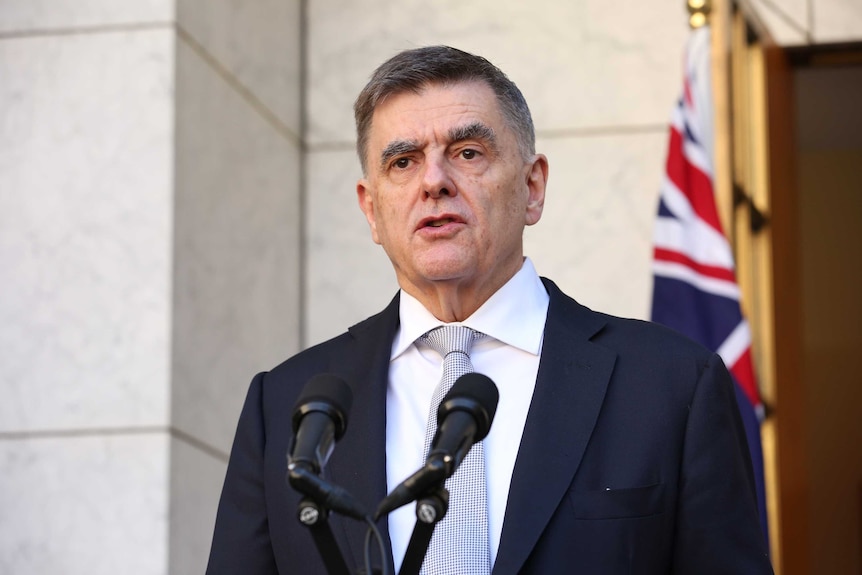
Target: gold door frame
{"points": [[755, 188]]}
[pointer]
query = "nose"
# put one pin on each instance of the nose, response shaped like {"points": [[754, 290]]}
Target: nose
{"points": [[436, 179]]}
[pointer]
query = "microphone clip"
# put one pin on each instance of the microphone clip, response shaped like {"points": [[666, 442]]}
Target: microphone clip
{"points": [[430, 477], [432, 508]]}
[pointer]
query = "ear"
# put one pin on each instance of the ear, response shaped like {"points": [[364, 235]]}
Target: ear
{"points": [[366, 204], [537, 180]]}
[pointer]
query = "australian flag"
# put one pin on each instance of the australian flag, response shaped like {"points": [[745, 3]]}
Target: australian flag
{"points": [[695, 290]]}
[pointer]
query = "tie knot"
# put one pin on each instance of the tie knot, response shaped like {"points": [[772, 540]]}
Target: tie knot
{"points": [[448, 338]]}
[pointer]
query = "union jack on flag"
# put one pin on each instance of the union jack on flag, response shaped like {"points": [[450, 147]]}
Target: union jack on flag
{"points": [[695, 290]]}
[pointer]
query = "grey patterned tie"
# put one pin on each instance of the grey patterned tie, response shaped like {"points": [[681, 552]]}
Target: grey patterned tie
{"points": [[460, 542]]}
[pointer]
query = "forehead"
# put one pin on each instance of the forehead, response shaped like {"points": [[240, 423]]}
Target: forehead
{"points": [[435, 106]]}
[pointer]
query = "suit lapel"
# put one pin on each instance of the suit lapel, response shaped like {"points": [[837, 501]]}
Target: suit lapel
{"points": [[361, 463], [570, 388]]}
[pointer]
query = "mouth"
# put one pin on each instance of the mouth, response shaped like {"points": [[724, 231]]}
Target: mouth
{"points": [[440, 221]]}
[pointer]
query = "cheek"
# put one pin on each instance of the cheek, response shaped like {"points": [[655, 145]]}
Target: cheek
{"points": [[510, 204], [388, 216], [509, 216]]}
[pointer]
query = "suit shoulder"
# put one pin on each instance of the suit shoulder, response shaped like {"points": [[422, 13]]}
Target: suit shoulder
{"points": [[624, 335], [318, 353], [341, 353], [645, 352], [652, 337]]}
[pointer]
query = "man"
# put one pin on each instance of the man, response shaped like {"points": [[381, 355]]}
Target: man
{"points": [[616, 447]]}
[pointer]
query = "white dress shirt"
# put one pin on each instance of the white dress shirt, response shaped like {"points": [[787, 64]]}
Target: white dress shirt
{"points": [[514, 319]]}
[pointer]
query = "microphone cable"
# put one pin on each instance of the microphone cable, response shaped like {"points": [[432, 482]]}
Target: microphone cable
{"points": [[374, 532]]}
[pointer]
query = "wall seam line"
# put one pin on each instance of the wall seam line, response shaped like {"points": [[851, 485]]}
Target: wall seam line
{"points": [[303, 176], [241, 89], [176, 433], [84, 30]]}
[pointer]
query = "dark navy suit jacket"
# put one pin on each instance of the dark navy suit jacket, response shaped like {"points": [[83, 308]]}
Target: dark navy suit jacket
{"points": [[633, 459]]}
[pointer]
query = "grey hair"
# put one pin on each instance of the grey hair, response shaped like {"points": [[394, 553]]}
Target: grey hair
{"points": [[413, 70]]}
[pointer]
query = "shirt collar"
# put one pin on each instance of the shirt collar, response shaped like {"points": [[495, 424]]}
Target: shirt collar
{"points": [[515, 314]]}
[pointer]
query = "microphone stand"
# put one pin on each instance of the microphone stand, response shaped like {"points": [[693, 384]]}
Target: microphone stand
{"points": [[430, 509], [315, 517]]}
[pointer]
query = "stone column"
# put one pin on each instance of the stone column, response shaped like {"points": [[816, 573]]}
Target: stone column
{"points": [[149, 248]]}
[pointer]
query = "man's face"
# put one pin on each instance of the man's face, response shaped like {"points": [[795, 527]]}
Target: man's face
{"points": [[448, 193]]}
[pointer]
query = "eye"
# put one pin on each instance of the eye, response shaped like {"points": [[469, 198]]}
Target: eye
{"points": [[401, 163], [469, 154]]}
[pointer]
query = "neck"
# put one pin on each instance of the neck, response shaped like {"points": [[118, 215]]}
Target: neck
{"points": [[450, 305], [454, 301]]}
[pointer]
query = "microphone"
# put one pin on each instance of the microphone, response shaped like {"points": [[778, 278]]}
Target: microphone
{"points": [[463, 418], [319, 420]]}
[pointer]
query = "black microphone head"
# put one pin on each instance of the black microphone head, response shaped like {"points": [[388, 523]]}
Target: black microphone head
{"points": [[325, 393], [476, 394]]}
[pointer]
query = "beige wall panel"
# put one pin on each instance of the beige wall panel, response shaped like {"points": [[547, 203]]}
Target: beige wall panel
{"points": [[794, 11], [837, 21], [348, 276], [595, 237], [580, 64], [27, 15], [236, 246], [195, 487], [257, 43], [85, 229], [583, 67], [787, 22], [84, 505]]}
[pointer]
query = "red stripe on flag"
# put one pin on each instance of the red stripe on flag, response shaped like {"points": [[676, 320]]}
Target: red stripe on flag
{"points": [[702, 269], [692, 182]]}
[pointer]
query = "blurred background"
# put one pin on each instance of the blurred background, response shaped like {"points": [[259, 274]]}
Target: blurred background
{"points": [[177, 213]]}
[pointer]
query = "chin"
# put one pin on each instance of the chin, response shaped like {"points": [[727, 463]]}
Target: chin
{"points": [[444, 270]]}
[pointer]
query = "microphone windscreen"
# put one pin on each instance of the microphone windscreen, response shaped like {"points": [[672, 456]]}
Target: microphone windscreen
{"points": [[475, 393], [328, 393]]}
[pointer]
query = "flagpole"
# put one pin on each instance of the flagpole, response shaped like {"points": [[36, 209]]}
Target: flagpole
{"points": [[693, 256], [719, 19]]}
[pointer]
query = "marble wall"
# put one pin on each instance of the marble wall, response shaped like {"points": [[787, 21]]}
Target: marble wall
{"points": [[600, 79], [150, 245], [86, 166], [236, 298], [799, 22]]}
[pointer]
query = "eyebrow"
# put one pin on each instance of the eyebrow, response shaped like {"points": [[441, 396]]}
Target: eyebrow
{"points": [[397, 148], [472, 131]]}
